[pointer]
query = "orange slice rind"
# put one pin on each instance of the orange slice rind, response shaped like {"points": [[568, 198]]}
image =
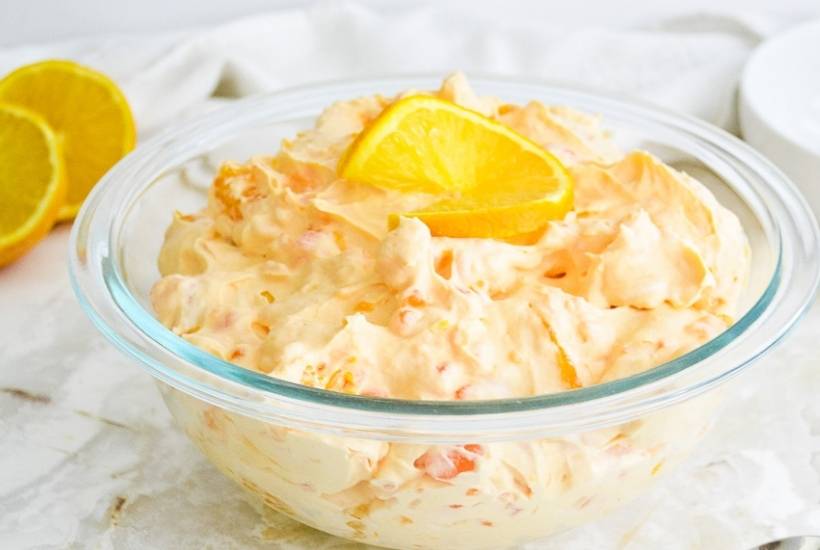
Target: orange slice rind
{"points": [[493, 182], [32, 182]]}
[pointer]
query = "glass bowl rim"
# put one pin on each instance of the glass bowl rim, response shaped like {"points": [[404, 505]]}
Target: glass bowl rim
{"points": [[158, 345]]}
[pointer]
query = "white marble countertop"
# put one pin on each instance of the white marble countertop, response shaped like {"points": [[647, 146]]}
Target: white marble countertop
{"points": [[89, 457]]}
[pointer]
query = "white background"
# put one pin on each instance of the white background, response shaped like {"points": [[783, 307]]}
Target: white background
{"points": [[26, 21]]}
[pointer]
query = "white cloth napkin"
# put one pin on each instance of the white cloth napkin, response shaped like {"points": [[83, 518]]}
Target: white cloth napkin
{"points": [[95, 461], [687, 62]]}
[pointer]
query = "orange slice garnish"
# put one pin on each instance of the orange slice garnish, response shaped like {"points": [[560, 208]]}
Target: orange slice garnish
{"points": [[493, 182]]}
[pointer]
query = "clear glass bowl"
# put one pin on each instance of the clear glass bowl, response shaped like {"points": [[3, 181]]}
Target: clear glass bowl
{"points": [[345, 464]]}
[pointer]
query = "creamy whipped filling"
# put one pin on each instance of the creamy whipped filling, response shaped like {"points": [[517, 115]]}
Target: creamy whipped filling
{"points": [[292, 272]]}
